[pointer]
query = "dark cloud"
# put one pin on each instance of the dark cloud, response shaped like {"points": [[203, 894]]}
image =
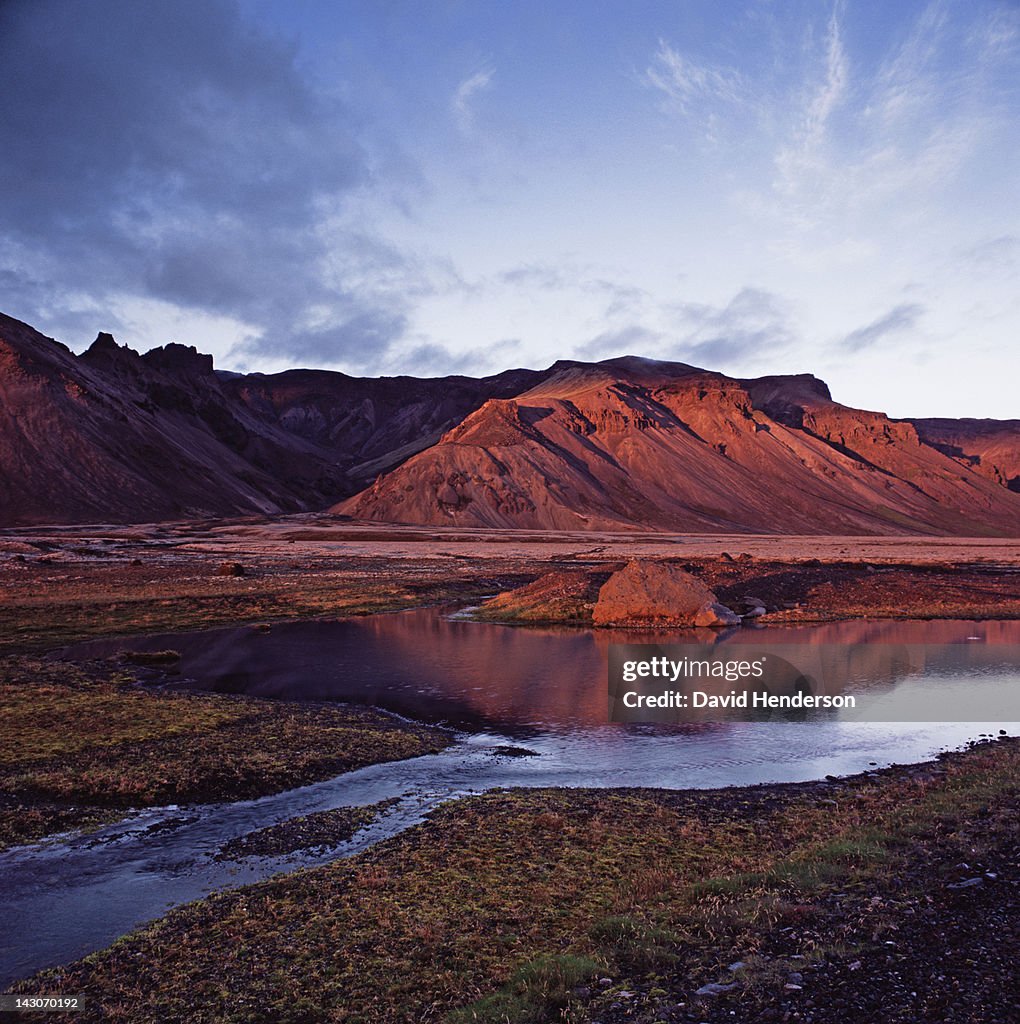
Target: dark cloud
{"points": [[632, 340], [361, 338], [899, 318], [427, 359], [169, 150], [753, 323]]}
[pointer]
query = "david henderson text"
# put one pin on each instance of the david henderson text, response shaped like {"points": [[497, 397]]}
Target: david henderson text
{"points": [[735, 699]]}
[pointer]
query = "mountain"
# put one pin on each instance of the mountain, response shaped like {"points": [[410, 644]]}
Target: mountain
{"points": [[632, 443], [114, 436], [989, 447]]}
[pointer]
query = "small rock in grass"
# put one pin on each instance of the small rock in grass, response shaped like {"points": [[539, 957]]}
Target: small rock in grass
{"points": [[715, 989], [230, 569]]}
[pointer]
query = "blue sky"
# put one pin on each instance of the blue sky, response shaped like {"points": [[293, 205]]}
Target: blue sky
{"points": [[388, 187]]}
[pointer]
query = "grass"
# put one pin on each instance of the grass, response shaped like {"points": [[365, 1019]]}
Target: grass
{"points": [[80, 744], [110, 605], [502, 905]]}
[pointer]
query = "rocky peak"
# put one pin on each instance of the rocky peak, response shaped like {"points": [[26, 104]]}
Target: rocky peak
{"points": [[180, 359]]}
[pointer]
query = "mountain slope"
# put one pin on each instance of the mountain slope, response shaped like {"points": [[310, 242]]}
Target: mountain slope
{"points": [[989, 447], [634, 443], [114, 436]]}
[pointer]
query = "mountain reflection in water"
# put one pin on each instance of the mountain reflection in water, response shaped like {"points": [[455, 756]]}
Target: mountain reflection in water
{"points": [[426, 665]]}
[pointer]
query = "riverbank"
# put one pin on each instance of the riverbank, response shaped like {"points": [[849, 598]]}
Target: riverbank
{"points": [[84, 743], [893, 893], [72, 583]]}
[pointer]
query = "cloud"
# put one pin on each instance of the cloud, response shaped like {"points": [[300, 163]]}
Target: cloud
{"points": [[861, 139], [753, 325], [899, 319], [687, 83], [996, 254], [632, 340], [465, 93], [428, 359], [171, 151]]}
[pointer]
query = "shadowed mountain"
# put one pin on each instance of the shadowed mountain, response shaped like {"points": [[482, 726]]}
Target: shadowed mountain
{"points": [[632, 443], [114, 436]]}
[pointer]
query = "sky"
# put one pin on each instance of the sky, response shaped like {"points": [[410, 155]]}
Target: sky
{"points": [[387, 187]]}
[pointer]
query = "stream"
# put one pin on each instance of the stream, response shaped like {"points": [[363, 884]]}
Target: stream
{"points": [[496, 686]]}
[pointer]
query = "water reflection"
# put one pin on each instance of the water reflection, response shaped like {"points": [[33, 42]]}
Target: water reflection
{"points": [[426, 665]]}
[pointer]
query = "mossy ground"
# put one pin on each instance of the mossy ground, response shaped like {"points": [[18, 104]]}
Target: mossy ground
{"points": [[81, 743], [508, 907]]}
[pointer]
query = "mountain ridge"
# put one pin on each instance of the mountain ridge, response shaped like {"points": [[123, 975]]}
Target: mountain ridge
{"points": [[112, 435]]}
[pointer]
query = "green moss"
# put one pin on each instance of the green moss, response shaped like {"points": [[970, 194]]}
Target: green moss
{"points": [[503, 903], [78, 743]]}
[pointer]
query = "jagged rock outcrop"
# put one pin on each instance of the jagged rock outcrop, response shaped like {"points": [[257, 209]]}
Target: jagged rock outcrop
{"points": [[989, 447], [114, 436]]}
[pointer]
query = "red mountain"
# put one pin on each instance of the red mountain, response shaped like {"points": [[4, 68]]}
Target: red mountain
{"points": [[632, 443], [114, 436]]}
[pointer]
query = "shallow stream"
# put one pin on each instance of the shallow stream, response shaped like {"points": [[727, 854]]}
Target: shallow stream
{"points": [[497, 686]]}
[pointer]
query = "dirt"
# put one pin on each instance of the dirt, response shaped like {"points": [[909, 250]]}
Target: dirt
{"points": [[64, 584]]}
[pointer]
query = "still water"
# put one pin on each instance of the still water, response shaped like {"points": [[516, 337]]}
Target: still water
{"points": [[542, 689]]}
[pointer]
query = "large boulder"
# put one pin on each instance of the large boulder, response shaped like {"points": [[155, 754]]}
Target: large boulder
{"points": [[652, 593]]}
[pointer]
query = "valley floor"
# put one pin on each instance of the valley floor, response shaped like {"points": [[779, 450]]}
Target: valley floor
{"points": [[67, 583], [890, 894]]}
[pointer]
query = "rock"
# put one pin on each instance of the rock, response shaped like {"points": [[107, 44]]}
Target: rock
{"points": [[716, 615], [726, 557], [643, 592], [736, 965], [605, 982], [716, 989], [967, 883], [230, 569]]}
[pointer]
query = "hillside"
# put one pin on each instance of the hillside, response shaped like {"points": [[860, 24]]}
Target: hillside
{"points": [[633, 443], [114, 436]]}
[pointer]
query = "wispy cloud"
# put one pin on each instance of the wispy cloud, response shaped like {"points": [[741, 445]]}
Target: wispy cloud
{"points": [[865, 139], [687, 82], [462, 103], [754, 325], [804, 153], [898, 320]]}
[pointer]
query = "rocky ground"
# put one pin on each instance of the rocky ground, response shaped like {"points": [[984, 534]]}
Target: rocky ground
{"points": [[63, 584]]}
